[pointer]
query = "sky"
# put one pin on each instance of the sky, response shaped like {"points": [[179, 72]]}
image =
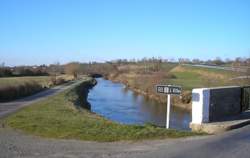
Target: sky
{"points": [[48, 31]]}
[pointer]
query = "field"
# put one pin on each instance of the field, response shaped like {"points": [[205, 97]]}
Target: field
{"points": [[16, 87], [42, 80], [58, 117], [16, 81], [194, 77]]}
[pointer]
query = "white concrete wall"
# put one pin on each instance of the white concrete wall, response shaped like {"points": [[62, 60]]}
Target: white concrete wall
{"points": [[200, 105]]}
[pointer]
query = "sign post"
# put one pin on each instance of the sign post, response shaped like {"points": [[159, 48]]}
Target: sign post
{"points": [[168, 89], [168, 111]]}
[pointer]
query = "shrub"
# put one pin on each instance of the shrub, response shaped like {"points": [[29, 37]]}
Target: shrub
{"points": [[60, 81], [170, 76], [186, 97], [57, 81]]}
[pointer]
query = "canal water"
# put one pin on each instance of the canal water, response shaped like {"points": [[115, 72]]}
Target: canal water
{"points": [[117, 103]]}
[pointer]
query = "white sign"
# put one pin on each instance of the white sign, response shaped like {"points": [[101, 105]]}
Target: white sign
{"points": [[168, 89]]}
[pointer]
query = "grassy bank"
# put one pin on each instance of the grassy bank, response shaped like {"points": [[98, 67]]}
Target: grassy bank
{"points": [[60, 117], [16, 87], [141, 81]]}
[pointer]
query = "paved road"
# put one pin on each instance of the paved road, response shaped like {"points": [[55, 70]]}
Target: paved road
{"points": [[240, 77], [228, 145], [11, 107], [236, 69]]}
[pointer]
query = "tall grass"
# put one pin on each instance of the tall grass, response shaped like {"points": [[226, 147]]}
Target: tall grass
{"points": [[14, 81], [8, 93], [16, 87]]}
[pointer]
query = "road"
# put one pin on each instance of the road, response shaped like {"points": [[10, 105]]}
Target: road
{"points": [[240, 77], [228, 145], [11, 107], [236, 69]]}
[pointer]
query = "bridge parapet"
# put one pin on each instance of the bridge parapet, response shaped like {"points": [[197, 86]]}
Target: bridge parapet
{"points": [[210, 105]]}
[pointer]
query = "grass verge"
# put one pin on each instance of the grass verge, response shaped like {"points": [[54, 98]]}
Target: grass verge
{"points": [[58, 117]]}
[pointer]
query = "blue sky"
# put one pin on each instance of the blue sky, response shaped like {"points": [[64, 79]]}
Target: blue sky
{"points": [[48, 31]]}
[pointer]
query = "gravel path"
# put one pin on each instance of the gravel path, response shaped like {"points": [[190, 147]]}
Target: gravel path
{"points": [[228, 145], [16, 144]]}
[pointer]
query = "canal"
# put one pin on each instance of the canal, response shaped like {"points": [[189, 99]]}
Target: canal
{"points": [[117, 103]]}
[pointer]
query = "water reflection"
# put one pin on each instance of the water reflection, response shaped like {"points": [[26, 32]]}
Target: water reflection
{"points": [[117, 103]]}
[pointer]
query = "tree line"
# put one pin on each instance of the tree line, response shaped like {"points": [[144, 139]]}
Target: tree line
{"points": [[75, 68]]}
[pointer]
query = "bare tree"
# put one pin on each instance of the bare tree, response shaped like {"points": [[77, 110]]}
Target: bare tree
{"points": [[54, 72], [72, 69], [218, 61]]}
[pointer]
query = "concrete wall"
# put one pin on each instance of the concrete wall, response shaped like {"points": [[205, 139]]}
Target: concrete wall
{"points": [[215, 104], [200, 105]]}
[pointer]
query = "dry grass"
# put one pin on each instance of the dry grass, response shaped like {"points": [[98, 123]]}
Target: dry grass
{"points": [[8, 93], [44, 81], [16, 87], [17, 81]]}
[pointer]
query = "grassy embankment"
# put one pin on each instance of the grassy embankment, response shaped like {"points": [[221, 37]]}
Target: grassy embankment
{"points": [[16, 87], [141, 81], [59, 117]]}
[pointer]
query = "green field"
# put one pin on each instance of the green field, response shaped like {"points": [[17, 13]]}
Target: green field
{"points": [[194, 77], [187, 80], [57, 117]]}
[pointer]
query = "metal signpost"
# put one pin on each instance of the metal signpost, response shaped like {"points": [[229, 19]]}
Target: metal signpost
{"points": [[168, 89]]}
